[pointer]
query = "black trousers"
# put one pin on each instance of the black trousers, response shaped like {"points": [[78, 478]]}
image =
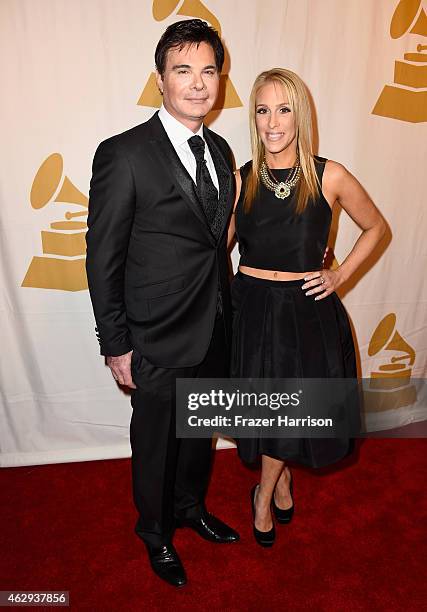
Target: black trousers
{"points": [[169, 475]]}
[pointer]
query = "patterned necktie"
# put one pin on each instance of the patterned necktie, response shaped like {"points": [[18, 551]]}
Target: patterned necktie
{"points": [[208, 195], [207, 192]]}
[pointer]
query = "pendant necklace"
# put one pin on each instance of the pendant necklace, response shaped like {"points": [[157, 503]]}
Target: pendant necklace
{"points": [[281, 189]]}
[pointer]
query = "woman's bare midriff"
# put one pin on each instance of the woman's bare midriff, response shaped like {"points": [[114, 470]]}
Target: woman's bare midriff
{"points": [[273, 274]]}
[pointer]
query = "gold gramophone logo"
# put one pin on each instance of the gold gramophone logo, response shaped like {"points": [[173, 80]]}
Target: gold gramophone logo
{"points": [[390, 386], [227, 97], [62, 265], [406, 99]]}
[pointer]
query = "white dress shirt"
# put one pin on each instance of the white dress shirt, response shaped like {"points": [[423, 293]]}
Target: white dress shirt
{"points": [[179, 134]]}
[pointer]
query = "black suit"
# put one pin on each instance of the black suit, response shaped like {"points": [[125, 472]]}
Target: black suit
{"points": [[152, 262], [154, 269]]}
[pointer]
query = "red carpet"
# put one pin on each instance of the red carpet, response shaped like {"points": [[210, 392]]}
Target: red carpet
{"points": [[357, 540]]}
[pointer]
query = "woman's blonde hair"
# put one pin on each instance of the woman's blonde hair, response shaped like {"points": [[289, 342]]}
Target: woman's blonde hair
{"points": [[308, 185]]}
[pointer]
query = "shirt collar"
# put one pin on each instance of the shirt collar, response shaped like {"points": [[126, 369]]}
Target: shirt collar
{"points": [[177, 132]]}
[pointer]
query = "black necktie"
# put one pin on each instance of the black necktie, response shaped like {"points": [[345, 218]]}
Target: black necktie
{"points": [[207, 192], [208, 195]]}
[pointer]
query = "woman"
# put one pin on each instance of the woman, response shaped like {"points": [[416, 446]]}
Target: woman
{"points": [[288, 320]]}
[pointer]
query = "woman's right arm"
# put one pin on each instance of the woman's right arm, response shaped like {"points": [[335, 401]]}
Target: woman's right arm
{"points": [[232, 225]]}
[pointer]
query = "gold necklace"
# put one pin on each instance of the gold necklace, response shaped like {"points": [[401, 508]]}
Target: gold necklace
{"points": [[282, 189]]}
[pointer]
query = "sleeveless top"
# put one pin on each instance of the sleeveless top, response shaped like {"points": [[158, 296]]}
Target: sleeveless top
{"points": [[273, 237]]}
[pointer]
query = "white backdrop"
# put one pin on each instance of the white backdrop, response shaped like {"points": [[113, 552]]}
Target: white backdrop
{"points": [[72, 75]]}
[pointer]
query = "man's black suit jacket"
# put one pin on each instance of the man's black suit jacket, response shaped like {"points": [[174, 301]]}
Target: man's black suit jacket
{"points": [[153, 265]]}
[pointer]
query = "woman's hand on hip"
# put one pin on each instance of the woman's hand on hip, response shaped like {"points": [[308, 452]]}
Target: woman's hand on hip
{"points": [[322, 283]]}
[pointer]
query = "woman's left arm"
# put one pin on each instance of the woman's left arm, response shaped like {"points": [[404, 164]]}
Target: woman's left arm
{"points": [[339, 185]]}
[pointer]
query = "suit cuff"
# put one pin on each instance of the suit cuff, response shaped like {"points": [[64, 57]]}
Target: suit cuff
{"points": [[115, 349]]}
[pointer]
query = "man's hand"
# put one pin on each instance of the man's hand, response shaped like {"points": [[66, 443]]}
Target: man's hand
{"points": [[120, 369]]}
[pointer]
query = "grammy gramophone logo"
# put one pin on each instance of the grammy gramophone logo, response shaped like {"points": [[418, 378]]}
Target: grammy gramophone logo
{"points": [[390, 385], [406, 99], [62, 265], [227, 97]]}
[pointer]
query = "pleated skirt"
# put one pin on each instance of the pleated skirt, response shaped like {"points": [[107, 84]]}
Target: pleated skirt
{"points": [[279, 332]]}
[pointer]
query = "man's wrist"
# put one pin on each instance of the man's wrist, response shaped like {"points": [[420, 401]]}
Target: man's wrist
{"points": [[117, 357]]}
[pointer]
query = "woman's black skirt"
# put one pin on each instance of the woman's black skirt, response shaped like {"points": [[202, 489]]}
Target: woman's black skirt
{"points": [[279, 332]]}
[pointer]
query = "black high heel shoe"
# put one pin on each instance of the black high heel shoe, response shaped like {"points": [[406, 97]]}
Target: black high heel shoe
{"points": [[264, 538], [284, 516]]}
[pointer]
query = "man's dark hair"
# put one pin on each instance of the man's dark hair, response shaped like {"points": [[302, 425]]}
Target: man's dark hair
{"points": [[188, 32]]}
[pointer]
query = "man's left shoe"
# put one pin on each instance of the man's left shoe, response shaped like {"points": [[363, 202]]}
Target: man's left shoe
{"points": [[210, 528]]}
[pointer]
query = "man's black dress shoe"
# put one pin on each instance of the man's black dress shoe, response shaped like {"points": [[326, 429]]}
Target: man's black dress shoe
{"points": [[284, 516], [210, 528], [166, 564], [264, 538]]}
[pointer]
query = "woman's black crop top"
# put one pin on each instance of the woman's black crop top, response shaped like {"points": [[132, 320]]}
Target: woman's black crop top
{"points": [[272, 237]]}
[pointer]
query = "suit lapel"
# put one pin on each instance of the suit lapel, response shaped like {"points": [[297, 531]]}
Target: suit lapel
{"points": [[165, 153], [225, 182]]}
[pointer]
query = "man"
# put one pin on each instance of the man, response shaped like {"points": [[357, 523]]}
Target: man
{"points": [[160, 199]]}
